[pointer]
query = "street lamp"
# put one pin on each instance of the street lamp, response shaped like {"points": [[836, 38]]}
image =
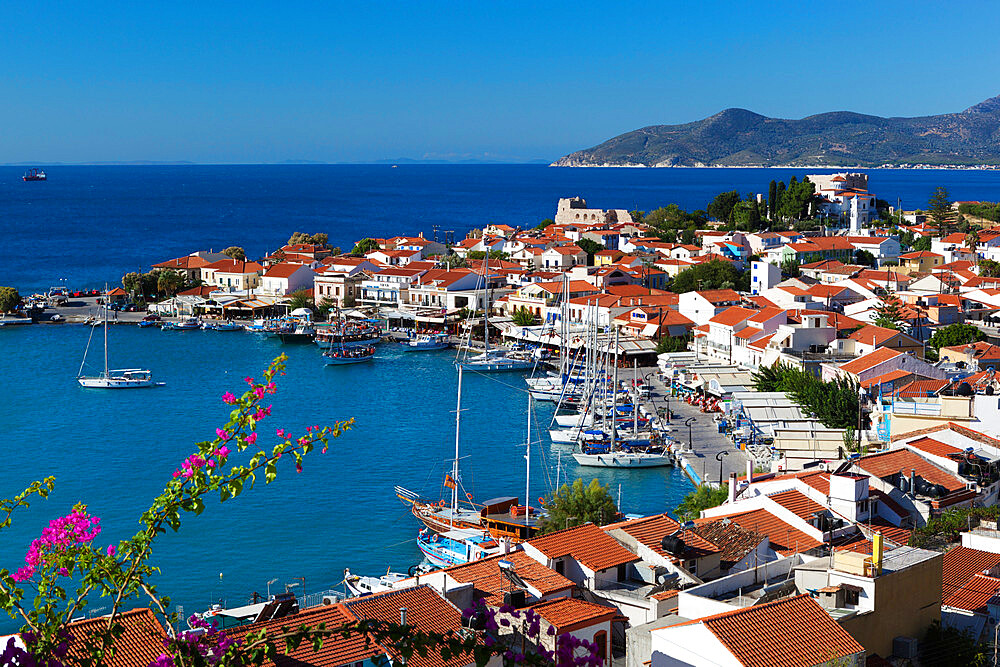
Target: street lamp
{"points": [[688, 422], [718, 457]]}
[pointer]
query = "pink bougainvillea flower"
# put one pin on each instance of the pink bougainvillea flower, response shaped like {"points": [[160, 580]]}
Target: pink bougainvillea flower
{"points": [[228, 398]]}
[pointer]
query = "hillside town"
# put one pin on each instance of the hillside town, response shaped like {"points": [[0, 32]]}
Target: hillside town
{"points": [[853, 375]]}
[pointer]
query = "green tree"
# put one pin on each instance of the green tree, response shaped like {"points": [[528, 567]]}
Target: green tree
{"points": [[545, 223], [790, 268], [308, 239], [955, 334], [590, 247], [922, 243], [864, 258], [835, 403], [673, 344], [576, 504], [945, 646], [10, 299], [523, 317], [132, 283], [772, 200], [939, 208], [637, 216], [169, 282], [972, 242], [715, 274], [889, 312], [364, 246], [301, 299], [721, 207], [989, 268], [702, 498], [235, 252]]}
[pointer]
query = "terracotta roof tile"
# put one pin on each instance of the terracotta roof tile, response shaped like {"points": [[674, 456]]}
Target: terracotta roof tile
{"points": [[650, 531], [792, 632], [485, 575], [901, 461], [336, 650], [734, 541], [961, 564], [783, 537], [140, 643], [587, 544], [797, 503], [934, 447], [567, 613], [975, 594], [870, 360], [732, 316]]}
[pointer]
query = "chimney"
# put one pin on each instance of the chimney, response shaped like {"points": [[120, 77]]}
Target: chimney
{"points": [[749, 471], [732, 487], [402, 615], [913, 481]]}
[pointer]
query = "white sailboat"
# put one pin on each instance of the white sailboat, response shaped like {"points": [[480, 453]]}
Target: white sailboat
{"points": [[123, 378], [492, 361]]}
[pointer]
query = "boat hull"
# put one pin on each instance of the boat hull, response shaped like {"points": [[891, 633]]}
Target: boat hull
{"points": [[502, 366], [344, 361], [623, 460], [116, 383]]}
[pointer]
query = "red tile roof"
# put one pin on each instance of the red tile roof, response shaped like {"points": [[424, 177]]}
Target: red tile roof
{"points": [[650, 531], [961, 564], [485, 575], [568, 614], [587, 544], [783, 537], [886, 378], [719, 295], [792, 632], [188, 262], [139, 645], [921, 388], [975, 594], [732, 316], [283, 270], [903, 461], [934, 447], [870, 360], [875, 335], [797, 503]]}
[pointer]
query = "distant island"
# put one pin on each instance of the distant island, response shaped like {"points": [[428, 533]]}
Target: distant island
{"points": [[741, 138]]}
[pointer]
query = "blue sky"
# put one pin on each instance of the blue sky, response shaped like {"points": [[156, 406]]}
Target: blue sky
{"points": [[267, 82]]}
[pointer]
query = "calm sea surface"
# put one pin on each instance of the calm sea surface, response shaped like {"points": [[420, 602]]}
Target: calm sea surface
{"points": [[114, 450]]}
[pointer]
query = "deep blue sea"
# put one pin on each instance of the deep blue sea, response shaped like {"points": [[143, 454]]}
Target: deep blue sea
{"points": [[114, 450]]}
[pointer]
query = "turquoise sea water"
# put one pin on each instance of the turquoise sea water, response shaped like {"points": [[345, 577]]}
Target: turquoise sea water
{"points": [[115, 449], [86, 226]]}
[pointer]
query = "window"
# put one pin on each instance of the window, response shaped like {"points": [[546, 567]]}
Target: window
{"points": [[621, 573], [560, 567], [851, 597], [601, 639]]}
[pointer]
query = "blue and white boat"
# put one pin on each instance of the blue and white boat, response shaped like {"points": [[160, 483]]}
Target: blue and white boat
{"points": [[455, 547], [437, 341], [186, 324], [222, 326]]}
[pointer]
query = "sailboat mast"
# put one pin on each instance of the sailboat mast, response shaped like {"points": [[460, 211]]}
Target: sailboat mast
{"points": [[527, 459], [454, 465], [635, 401], [614, 395], [486, 309], [105, 331]]}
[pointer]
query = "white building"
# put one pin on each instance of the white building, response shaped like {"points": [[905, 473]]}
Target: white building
{"points": [[763, 275]]}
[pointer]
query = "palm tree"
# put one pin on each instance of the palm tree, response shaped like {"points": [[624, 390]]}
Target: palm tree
{"points": [[523, 317], [301, 299], [972, 241]]}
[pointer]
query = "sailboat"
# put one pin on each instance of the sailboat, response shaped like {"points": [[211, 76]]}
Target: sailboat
{"points": [[124, 378], [608, 450], [491, 361]]}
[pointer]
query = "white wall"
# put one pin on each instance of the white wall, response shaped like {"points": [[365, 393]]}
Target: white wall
{"points": [[692, 645]]}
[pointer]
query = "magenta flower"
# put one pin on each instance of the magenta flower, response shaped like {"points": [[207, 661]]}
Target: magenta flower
{"points": [[251, 439], [223, 435], [228, 398], [222, 452], [111, 550]]}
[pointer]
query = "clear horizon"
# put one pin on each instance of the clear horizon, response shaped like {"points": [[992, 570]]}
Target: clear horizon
{"points": [[342, 83]]}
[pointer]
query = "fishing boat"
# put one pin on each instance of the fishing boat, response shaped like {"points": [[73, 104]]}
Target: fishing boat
{"points": [[34, 174], [456, 547], [299, 332], [358, 585], [222, 326], [347, 335], [124, 378], [436, 341], [186, 324], [491, 360], [348, 355]]}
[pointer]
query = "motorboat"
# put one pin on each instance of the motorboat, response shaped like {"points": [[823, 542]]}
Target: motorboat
{"points": [[186, 324], [456, 547], [348, 355], [358, 585], [436, 341], [222, 326]]}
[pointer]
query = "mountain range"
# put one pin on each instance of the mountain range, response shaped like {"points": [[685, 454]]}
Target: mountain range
{"points": [[741, 138]]}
